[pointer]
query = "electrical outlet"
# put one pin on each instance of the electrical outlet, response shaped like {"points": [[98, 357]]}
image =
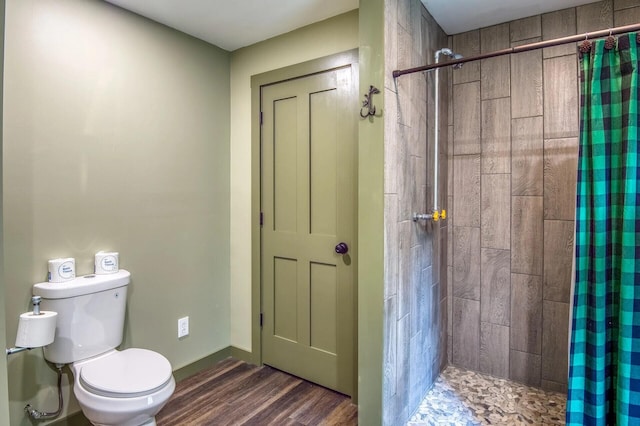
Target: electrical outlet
{"points": [[183, 327]]}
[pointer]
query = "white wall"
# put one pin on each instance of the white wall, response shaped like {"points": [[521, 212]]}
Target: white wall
{"points": [[334, 35]]}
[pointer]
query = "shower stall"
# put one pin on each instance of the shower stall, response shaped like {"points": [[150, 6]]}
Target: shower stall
{"points": [[482, 296]]}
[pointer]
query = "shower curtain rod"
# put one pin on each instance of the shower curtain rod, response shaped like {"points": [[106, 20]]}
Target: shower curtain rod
{"points": [[523, 48]]}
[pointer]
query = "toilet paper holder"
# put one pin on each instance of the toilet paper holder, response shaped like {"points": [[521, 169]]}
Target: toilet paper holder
{"points": [[35, 300]]}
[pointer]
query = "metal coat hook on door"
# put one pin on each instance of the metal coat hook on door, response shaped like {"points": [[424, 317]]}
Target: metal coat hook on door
{"points": [[367, 105]]}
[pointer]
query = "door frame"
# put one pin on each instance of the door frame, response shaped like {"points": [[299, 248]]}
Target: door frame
{"points": [[315, 66]]}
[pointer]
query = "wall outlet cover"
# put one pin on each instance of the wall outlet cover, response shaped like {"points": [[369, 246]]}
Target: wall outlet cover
{"points": [[183, 327]]}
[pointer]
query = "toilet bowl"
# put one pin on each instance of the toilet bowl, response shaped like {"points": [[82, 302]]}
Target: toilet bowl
{"points": [[123, 388]]}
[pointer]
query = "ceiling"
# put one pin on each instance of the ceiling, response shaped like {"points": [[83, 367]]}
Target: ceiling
{"points": [[457, 16], [234, 24]]}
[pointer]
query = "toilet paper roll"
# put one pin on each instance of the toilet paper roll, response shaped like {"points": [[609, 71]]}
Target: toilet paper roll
{"points": [[106, 262], [36, 330], [61, 270]]}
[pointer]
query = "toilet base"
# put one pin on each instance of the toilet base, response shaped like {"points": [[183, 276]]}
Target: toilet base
{"points": [[150, 422]]}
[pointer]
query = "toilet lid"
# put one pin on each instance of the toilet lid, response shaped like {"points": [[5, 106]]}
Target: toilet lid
{"points": [[129, 373]]}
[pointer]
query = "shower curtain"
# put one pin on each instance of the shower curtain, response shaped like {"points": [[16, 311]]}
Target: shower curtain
{"points": [[604, 367]]}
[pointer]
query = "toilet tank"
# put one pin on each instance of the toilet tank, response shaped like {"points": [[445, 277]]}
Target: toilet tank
{"points": [[91, 312]]}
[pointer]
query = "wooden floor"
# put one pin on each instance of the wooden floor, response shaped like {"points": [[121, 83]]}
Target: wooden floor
{"points": [[236, 393]]}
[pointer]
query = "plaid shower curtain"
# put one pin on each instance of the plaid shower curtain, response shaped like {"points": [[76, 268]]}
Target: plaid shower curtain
{"points": [[604, 366]]}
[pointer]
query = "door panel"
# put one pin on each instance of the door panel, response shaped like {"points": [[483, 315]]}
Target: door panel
{"points": [[324, 284], [284, 304], [322, 162], [308, 187], [285, 151]]}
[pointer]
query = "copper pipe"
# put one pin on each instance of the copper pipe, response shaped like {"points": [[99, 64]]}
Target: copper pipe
{"points": [[523, 48]]}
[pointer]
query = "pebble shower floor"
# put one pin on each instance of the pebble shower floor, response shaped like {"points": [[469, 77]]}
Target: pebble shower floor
{"points": [[466, 398]]}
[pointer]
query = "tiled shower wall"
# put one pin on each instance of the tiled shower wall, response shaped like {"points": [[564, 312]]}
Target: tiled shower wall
{"points": [[415, 324], [513, 153]]}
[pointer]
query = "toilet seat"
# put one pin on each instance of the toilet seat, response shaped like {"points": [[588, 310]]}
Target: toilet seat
{"points": [[126, 374]]}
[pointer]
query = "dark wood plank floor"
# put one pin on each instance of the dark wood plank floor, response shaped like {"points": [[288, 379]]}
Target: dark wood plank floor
{"points": [[236, 393]]}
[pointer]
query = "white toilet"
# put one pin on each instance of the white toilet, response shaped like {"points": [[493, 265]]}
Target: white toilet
{"points": [[124, 388]]}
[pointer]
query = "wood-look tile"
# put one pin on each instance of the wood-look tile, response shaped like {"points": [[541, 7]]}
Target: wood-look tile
{"points": [[450, 300], [560, 170], [405, 274], [624, 4], [526, 313], [558, 257], [418, 118], [392, 149], [555, 335], [442, 260], [433, 329], [527, 230], [525, 28], [404, 14], [415, 28], [494, 349], [495, 37], [627, 16], [467, 44], [495, 206], [450, 160], [496, 136], [466, 118], [526, 41], [466, 333], [233, 392], [424, 125], [495, 297], [403, 358], [466, 190], [551, 386], [401, 160], [449, 231], [418, 305], [594, 16], [449, 72], [389, 348], [414, 194], [526, 84], [527, 156], [444, 321], [525, 368], [495, 77], [418, 371], [404, 85], [426, 303], [561, 97], [466, 262], [390, 43], [557, 24], [495, 72], [391, 245]]}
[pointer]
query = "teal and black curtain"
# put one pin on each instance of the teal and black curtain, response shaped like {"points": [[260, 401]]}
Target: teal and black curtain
{"points": [[604, 365]]}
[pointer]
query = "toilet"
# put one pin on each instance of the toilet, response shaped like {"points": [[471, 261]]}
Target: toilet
{"points": [[123, 388]]}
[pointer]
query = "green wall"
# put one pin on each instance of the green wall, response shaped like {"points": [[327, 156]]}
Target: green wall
{"points": [[4, 394], [116, 137], [371, 218]]}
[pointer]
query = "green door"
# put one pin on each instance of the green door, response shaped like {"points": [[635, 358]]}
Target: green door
{"points": [[308, 190]]}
